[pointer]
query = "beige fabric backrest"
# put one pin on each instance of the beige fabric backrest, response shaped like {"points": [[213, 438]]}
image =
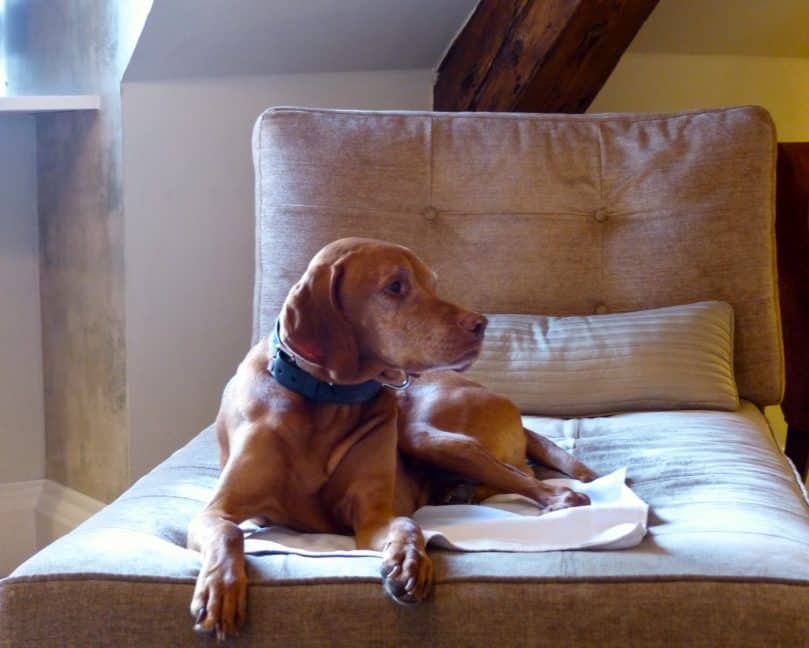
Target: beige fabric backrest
{"points": [[548, 214]]}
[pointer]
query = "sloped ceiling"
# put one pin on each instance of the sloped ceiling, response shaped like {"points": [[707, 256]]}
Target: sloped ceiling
{"points": [[731, 27], [207, 38], [204, 38]]}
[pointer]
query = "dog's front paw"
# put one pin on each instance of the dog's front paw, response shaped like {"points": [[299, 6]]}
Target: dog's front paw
{"points": [[566, 498], [407, 573], [220, 599], [583, 474]]}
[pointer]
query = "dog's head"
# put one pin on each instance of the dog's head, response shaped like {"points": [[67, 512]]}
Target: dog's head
{"points": [[366, 308]]}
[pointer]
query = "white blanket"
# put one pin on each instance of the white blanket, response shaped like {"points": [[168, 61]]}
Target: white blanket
{"points": [[615, 519]]}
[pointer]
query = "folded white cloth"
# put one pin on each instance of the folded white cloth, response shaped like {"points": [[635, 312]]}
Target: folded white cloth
{"points": [[615, 519]]}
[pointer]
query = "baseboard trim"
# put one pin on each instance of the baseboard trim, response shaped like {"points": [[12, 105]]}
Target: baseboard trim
{"points": [[35, 513], [20, 496], [49, 499], [65, 505]]}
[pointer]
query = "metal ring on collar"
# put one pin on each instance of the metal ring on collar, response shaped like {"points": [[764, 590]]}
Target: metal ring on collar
{"points": [[403, 385]]}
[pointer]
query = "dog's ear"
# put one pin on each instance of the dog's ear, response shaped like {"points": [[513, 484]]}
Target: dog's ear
{"points": [[315, 327]]}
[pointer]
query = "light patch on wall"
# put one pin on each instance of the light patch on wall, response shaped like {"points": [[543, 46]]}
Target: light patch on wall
{"points": [[3, 77], [131, 21]]}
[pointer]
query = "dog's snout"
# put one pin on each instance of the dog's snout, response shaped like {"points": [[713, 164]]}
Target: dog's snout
{"points": [[474, 323]]}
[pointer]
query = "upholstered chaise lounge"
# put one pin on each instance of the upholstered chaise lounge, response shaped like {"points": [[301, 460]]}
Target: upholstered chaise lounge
{"points": [[547, 215]]}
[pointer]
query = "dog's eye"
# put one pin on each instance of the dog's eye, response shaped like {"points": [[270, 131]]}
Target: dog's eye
{"points": [[397, 284], [397, 288]]}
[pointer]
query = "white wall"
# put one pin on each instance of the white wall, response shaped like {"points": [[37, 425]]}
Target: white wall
{"points": [[22, 430], [668, 82], [188, 195]]}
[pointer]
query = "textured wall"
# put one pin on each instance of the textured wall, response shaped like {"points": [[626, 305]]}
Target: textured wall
{"points": [[81, 255], [80, 46]]}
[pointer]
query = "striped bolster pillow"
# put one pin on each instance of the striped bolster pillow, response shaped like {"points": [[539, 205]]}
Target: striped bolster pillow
{"points": [[680, 357]]}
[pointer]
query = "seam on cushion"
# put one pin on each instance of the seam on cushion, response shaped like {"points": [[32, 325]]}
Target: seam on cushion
{"points": [[615, 117], [557, 580], [651, 579], [191, 466], [783, 480], [795, 474], [47, 579], [732, 343], [750, 505], [128, 498], [657, 213], [258, 228], [91, 529], [663, 212], [165, 538], [774, 268], [601, 206], [560, 215], [431, 161], [577, 432], [294, 164], [654, 530]]}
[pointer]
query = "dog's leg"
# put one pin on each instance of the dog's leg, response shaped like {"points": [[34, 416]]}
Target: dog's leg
{"points": [[547, 453], [361, 493], [219, 603], [220, 596], [467, 457]]}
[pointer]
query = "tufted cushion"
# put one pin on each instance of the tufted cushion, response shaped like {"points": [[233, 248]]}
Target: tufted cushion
{"points": [[536, 213], [727, 549]]}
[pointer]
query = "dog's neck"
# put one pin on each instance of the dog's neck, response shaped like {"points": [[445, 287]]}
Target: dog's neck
{"points": [[305, 378]]}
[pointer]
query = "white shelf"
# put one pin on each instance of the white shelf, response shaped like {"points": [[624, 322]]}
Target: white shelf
{"points": [[48, 103]]}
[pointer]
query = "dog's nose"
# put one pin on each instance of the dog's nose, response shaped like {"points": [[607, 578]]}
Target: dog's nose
{"points": [[474, 323]]}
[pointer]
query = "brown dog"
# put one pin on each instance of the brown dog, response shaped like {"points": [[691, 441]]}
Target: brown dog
{"points": [[319, 452]]}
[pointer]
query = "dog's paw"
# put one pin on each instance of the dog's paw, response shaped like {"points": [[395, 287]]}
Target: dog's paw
{"points": [[407, 573], [220, 600], [583, 474], [565, 499]]}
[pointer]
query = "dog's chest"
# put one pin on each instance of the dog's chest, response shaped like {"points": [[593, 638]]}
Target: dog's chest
{"points": [[299, 468], [311, 451], [293, 494]]}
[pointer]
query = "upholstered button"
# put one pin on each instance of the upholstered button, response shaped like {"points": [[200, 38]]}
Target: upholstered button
{"points": [[430, 213], [601, 309], [600, 214]]}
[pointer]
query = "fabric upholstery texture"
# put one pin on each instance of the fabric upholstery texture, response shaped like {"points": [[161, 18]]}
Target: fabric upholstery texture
{"points": [[561, 215], [679, 357], [727, 522], [550, 214]]}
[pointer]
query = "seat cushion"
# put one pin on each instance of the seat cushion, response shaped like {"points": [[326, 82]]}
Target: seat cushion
{"points": [[728, 521]]}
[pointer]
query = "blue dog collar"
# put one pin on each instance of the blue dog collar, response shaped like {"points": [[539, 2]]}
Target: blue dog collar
{"points": [[287, 373]]}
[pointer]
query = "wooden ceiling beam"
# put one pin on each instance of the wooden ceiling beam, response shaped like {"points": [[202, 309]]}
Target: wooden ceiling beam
{"points": [[536, 55]]}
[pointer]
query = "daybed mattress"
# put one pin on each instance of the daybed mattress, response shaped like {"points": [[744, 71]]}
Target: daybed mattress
{"points": [[728, 545]]}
